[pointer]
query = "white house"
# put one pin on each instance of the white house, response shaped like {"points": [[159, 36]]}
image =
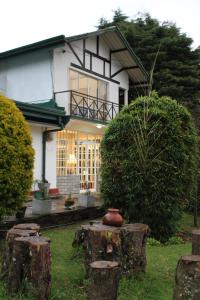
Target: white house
{"points": [[89, 76]]}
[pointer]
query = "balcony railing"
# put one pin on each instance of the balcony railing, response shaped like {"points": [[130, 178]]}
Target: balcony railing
{"points": [[89, 107]]}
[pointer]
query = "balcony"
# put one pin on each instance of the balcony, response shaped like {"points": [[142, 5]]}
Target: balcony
{"points": [[88, 107]]}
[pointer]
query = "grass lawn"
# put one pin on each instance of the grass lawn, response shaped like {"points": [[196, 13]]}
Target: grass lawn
{"points": [[68, 270]]}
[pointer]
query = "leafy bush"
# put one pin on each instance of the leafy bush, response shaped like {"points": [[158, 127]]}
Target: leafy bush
{"points": [[175, 240], [16, 159], [153, 242], [149, 163]]}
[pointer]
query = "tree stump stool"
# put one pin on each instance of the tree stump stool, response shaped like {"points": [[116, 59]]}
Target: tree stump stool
{"points": [[11, 235], [187, 278], [31, 262], [196, 242], [103, 280], [125, 244], [28, 226]]}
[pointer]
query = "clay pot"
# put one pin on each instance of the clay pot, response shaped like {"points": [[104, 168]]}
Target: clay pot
{"points": [[112, 218]]}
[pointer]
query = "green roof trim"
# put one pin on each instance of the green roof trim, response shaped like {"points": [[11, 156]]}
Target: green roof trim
{"points": [[48, 43], [46, 112]]}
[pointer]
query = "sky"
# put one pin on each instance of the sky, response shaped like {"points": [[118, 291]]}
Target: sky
{"points": [[26, 21]]}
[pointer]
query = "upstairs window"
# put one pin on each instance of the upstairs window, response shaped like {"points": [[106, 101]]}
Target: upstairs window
{"points": [[88, 85]]}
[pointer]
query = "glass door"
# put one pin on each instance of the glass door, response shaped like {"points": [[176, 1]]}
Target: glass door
{"points": [[88, 164]]}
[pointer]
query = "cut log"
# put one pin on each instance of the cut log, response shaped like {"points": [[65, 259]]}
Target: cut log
{"points": [[133, 242], [28, 226], [31, 262], [187, 278], [103, 280], [196, 242], [125, 244], [7, 256]]}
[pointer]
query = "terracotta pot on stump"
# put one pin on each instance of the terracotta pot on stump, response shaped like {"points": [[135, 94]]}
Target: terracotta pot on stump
{"points": [[113, 218]]}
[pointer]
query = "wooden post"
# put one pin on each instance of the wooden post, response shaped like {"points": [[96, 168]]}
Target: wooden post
{"points": [[196, 242], [187, 278], [31, 262], [125, 244], [103, 280]]}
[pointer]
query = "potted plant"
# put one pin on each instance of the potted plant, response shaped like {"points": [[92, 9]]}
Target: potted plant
{"points": [[42, 203], [86, 199], [69, 202]]}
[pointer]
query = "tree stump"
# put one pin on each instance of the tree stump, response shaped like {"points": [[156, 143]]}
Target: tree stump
{"points": [[28, 226], [187, 278], [11, 235], [125, 244], [196, 242], [31, 262], [103, 280]]}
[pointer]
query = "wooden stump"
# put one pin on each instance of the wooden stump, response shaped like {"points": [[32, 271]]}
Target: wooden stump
{"points": [[10, 237], [28, 226], [31, 262], [103, 280], [196, 242], [187, 278], [125, 244]]}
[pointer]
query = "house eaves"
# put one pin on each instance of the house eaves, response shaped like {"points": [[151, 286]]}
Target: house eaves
{"points": [[123, 52], [44, 113]]}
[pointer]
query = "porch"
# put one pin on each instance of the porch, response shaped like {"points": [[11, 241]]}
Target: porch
{"points": [[59, 216]]}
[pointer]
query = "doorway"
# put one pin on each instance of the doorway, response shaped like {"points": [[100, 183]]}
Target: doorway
{"points": [[89, 163], [121, 98]]}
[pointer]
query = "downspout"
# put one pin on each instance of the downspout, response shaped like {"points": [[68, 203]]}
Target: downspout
{"points": [[44, 140]]}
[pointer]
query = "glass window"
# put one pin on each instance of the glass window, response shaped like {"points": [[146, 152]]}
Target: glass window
{"points": [[87, 85]]}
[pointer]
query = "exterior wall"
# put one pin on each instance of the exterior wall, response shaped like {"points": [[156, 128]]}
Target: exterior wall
{"points": [[68, 184], [37, 145], [51, 161], [36, 132], [27, 77], [62, 64]]}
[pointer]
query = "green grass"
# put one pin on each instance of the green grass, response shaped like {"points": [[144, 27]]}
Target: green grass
{"points": [[68, 276]]}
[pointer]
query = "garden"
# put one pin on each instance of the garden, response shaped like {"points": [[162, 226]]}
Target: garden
{"points": [[149, 172]]}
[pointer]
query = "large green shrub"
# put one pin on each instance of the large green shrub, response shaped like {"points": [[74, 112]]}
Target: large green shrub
{"points": [[16, 157], [149, 162]]}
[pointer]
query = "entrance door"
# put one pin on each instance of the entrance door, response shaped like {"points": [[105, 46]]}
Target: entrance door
{"points": [[88, 164], [121, 98]]}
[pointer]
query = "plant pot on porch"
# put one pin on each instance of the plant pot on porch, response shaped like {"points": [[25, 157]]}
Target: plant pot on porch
{"points": [[85, 200], [41, 207]]}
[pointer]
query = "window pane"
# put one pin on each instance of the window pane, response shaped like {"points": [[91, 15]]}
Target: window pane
{"points": [[73, 78], [102, 90]]}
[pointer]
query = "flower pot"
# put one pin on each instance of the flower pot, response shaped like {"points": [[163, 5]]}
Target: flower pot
{"points": [[85, 200], [112, 218], [41, 207]]}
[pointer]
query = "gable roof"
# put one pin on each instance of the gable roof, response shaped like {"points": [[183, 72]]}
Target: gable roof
{"points": [[112, 36]]}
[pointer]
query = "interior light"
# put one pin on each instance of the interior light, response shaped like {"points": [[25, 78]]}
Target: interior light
{"points": [[99, 126]]}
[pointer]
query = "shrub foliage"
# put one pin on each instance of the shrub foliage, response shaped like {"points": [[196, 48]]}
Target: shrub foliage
{"points": [[149, 162], [16, 157]]}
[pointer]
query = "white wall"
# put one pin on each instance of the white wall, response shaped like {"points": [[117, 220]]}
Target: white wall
{"points": [[27, 77], [36, 132], [51, 161], [64, 57]]}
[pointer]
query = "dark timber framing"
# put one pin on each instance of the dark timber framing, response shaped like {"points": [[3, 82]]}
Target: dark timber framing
{"points": [[94, 73], [75, 54], [97, 45], [124, 69]]}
